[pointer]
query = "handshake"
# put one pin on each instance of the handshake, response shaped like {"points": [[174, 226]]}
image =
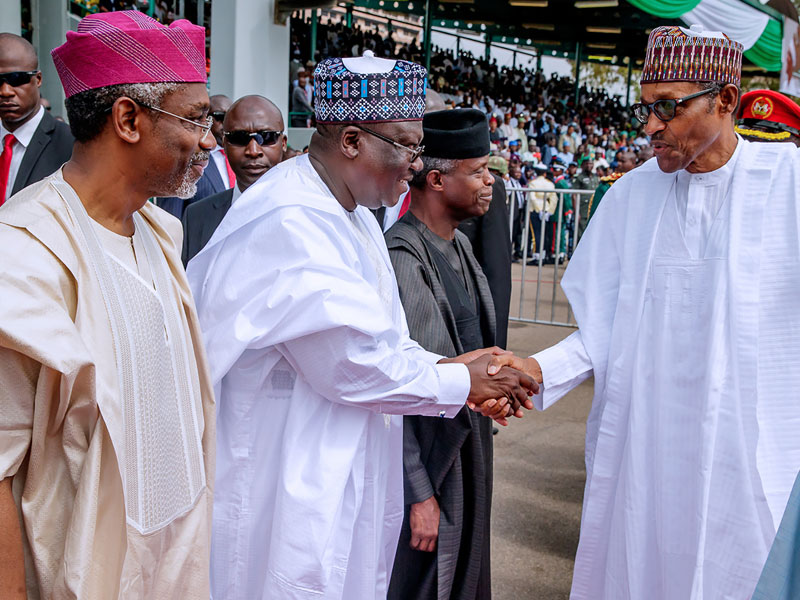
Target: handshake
{"points": [[500, 383]]}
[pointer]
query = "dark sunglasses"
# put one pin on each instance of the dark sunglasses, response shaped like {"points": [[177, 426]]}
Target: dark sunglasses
{"points": [[664, 109], [262, 138], [17, 78], [218, 115]]}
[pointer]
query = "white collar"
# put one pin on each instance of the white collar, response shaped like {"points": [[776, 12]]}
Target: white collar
{"points": [[236, 193], [24, 133], [720, 174]]}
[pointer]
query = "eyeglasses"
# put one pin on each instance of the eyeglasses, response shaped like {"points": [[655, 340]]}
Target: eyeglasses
{"points": [[262, 138], [416, 151], [204, 127], [17, 78], [218, 115], [664, 109]]}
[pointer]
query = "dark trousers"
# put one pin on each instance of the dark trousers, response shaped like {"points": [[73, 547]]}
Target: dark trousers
{"points": [[543, 243], [519, 219]]}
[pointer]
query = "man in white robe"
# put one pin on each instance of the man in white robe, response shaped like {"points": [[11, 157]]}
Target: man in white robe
{"points": [[107, 418], [311, 357], [685, 291]]}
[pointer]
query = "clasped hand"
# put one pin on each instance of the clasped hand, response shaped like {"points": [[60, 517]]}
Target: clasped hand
{"points": [[500, 383]]}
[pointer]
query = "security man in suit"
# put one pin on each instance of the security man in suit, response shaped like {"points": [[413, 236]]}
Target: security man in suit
{"points": [[34, 144], [254, 142]]}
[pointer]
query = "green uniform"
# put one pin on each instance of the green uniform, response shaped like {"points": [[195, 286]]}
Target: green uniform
{"points": [[605, 185], [566, 212], [584, 181]]}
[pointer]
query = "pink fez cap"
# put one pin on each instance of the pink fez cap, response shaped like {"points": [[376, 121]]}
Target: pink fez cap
{"points": [[130, 47]]}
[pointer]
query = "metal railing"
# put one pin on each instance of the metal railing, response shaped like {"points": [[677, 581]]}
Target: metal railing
{"points": [[572, 232]]}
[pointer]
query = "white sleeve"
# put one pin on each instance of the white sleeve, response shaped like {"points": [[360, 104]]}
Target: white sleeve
{"points": [[564, 367], [286, 281]]}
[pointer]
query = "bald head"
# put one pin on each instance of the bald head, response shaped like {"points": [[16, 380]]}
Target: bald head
{"points": [[250, 156], [18, 50], [646, 153], [626, 161], [433, 101], [19, 103], [219, 105], [220, 101], [248, 107]]}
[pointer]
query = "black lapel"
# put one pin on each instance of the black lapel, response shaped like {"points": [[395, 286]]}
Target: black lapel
{"points": [[380, 215], [41, 137], [224, 201]]}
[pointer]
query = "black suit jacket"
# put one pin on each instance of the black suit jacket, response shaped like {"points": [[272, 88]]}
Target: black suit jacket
{"points": [[200, 221], [50, 147], [491, 243], [209, 184]]}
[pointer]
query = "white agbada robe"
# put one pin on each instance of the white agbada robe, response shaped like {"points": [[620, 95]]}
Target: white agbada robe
{"points": [[685, 288], [310, 355]]}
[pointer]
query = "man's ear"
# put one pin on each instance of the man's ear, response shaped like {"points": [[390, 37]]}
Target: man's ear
{"points": [[729, 99], [127, 118], [349, 142], [435, 180]]}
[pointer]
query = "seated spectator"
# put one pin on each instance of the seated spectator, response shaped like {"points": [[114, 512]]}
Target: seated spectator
{"points": [[566, 155]]}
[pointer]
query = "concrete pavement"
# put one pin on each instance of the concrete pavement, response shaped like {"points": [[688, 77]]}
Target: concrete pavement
{"points": [[539, 476]]}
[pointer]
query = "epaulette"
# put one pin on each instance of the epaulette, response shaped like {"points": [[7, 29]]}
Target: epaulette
{"points": [[611, 178], [778, 136]]}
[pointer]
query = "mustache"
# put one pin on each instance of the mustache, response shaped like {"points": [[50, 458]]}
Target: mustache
{"points": [[201, 156]]}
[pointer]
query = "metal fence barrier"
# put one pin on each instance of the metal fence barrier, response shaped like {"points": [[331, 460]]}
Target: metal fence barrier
{"points": [[572, 232]]}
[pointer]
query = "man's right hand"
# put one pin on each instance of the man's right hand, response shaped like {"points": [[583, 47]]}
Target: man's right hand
{"points": [[424, 522], [12, 561], [505, 382]]}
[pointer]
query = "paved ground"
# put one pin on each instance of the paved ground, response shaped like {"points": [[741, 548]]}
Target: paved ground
{"points": [[539, 473]]}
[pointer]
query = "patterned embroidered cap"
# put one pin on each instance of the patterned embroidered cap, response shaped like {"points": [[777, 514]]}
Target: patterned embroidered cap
{"points": [[680, 54], [369, 89], [129, 47]]}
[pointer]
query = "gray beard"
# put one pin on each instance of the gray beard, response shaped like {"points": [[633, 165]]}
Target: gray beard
{"points": [[187, 187]]}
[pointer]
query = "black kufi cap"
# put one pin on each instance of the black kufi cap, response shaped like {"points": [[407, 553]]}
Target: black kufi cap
{"points": [[456, 134]]}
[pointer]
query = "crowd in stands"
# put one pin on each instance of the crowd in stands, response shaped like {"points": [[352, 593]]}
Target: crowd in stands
{"points": [[533, 118], [539, 128]]}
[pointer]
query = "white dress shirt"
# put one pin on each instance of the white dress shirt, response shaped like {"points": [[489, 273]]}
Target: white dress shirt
{"points": [[219, 161], [23, 137], [392, 213]]}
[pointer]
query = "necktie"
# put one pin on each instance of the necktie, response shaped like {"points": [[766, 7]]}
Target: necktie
{"points": [[231, 176], [5, 164]]}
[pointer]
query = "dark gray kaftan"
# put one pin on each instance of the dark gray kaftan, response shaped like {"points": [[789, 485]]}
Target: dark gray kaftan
{"points": [[449, 309]]}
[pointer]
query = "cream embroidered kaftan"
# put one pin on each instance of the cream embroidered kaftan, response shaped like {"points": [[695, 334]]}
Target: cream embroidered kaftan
{"points": [[108, 419]]}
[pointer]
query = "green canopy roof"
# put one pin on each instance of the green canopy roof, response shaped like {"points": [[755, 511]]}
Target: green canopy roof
{"points": [[606, 29]]}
